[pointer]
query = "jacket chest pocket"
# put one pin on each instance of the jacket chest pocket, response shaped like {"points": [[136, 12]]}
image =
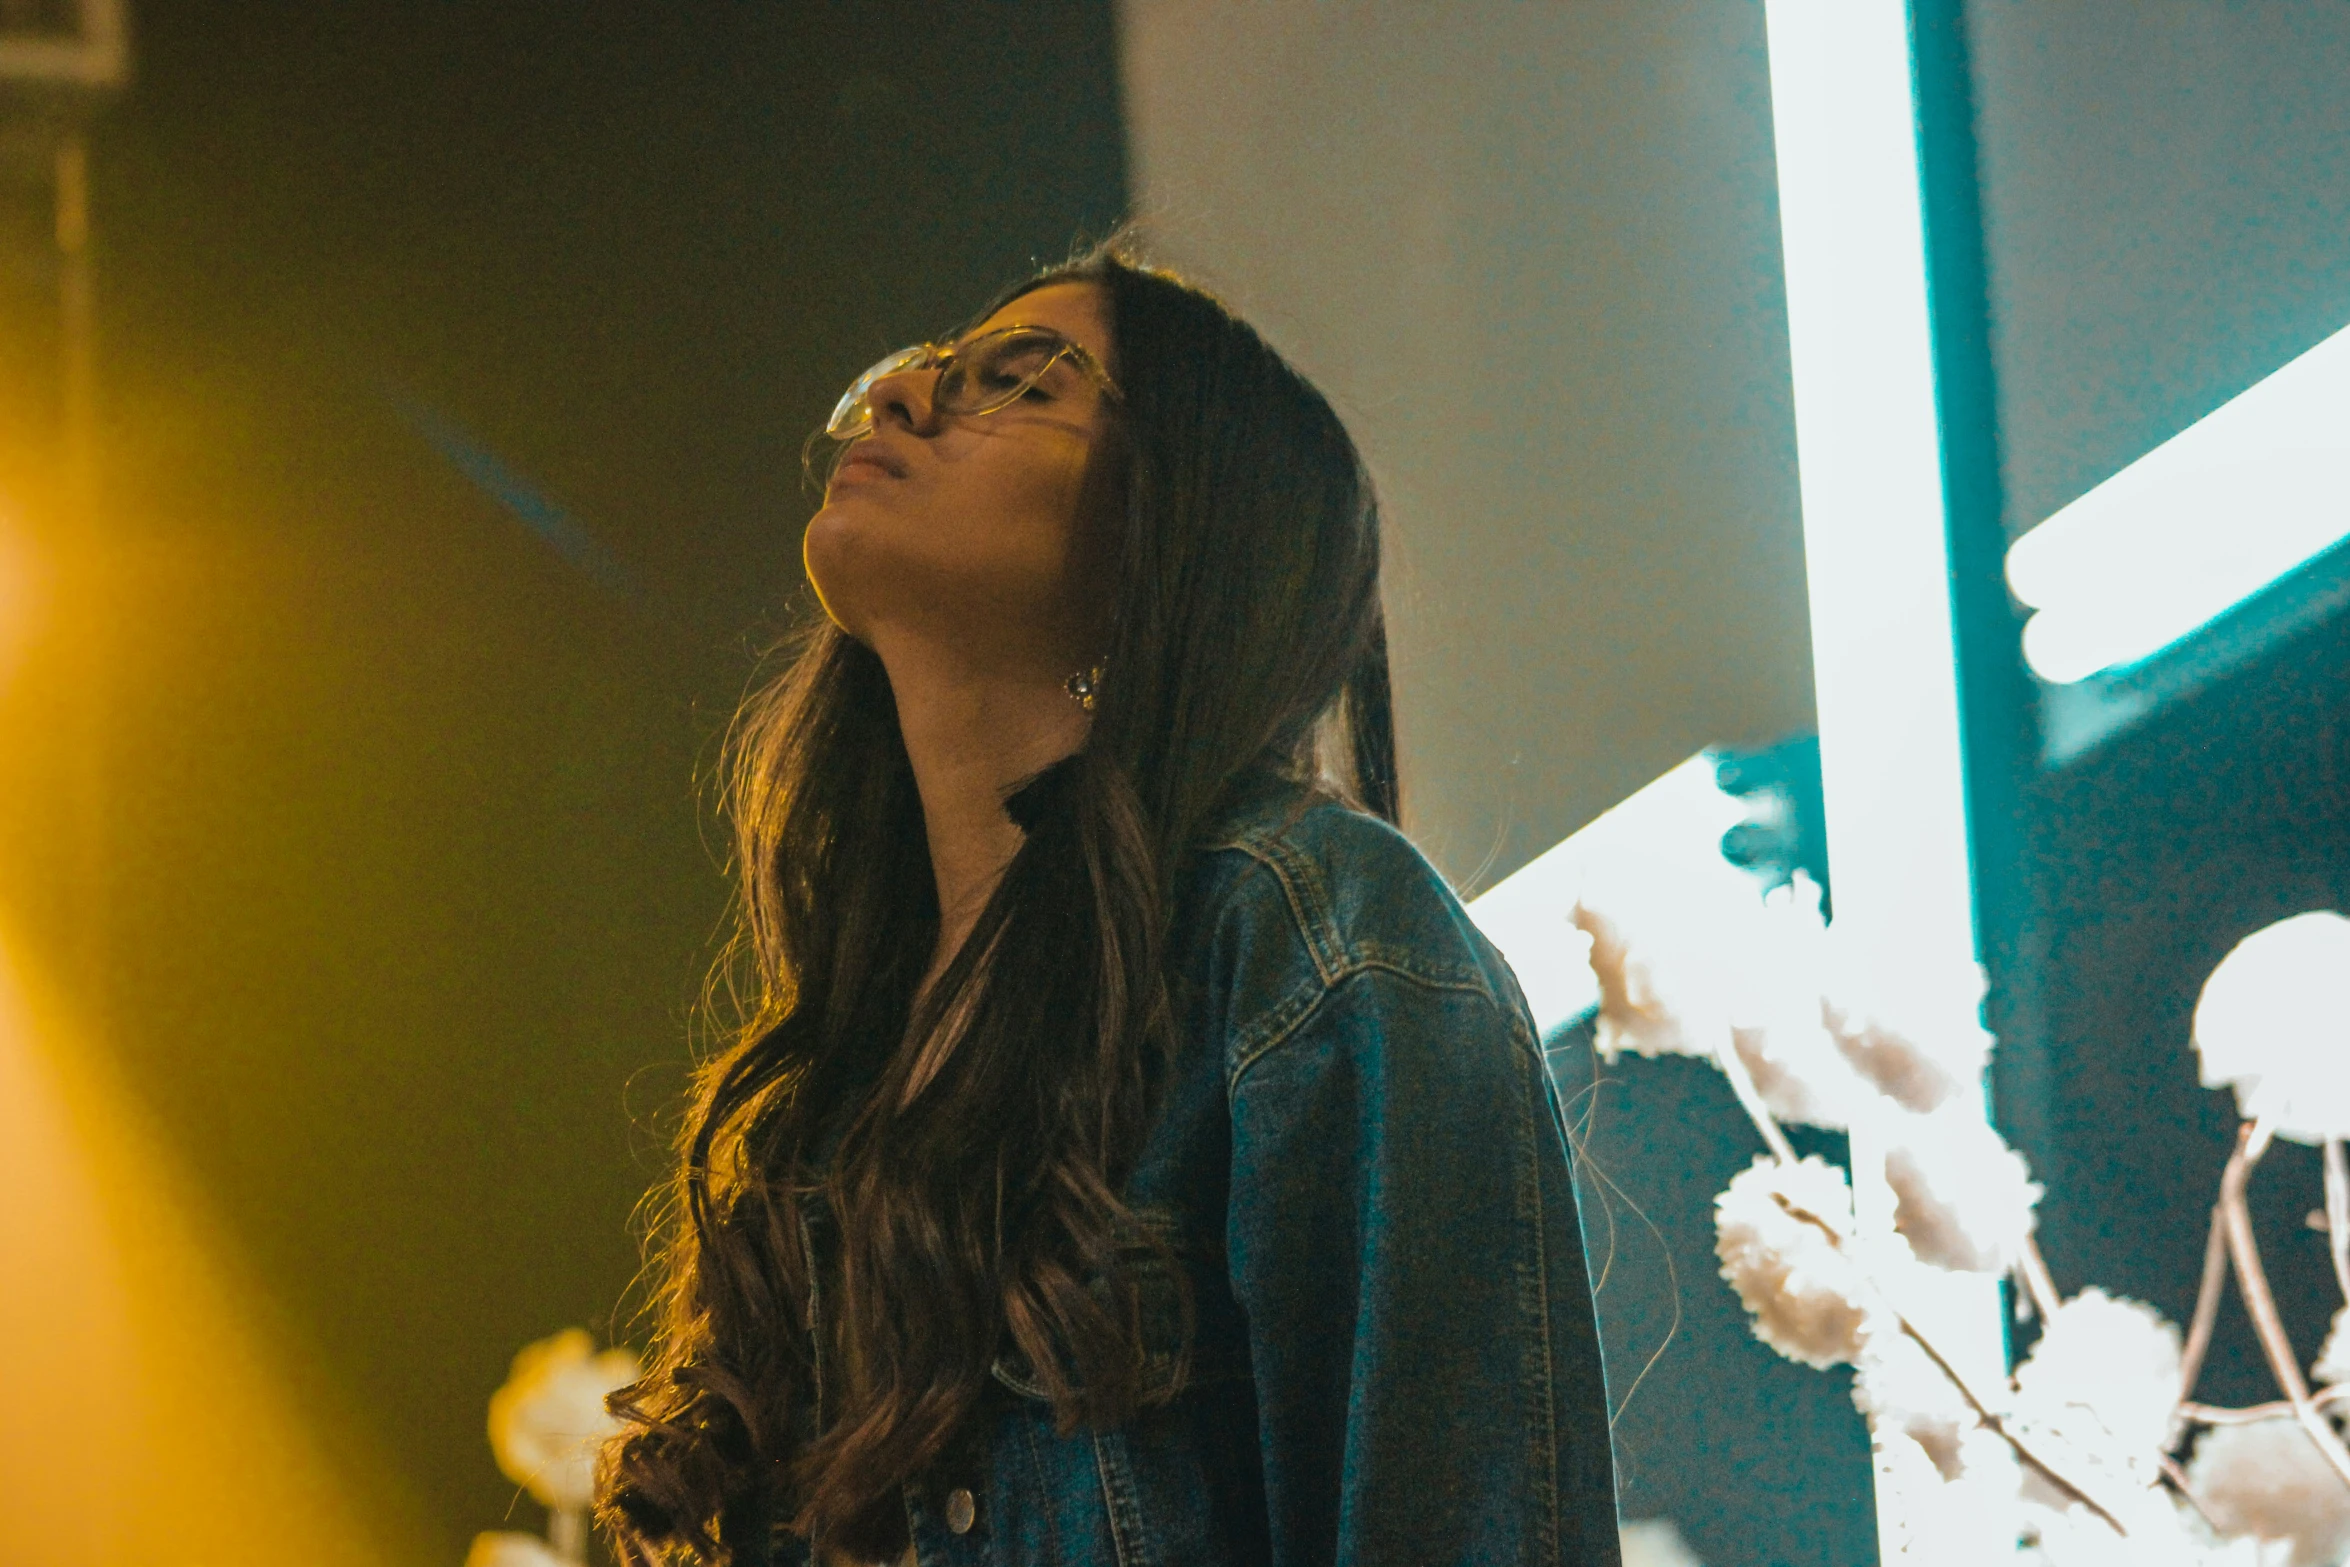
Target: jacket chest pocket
{"points": [[1151, 1264]]}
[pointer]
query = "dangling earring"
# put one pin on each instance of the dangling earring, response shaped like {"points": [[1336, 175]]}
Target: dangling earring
{"points": [[1084, 686]]}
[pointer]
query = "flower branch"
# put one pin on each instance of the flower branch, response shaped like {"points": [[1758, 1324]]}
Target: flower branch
{"points": [[2252, 1280]]}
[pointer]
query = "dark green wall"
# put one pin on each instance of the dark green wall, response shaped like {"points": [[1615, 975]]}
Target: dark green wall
{"points": [[411, 888], [2168, 211]]}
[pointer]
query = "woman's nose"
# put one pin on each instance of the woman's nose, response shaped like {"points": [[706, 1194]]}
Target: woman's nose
{"points": [[906, 398]]}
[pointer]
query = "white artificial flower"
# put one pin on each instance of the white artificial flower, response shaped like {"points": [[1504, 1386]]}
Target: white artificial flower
{"points": [[1736, 967], [1963, 1199], [2333, 1357], [1807, 1298], [1656, 1542], [2102, 1384], [503, 1548], [1919, 1077], [1901, 1392], [2267, 1481], [1915, 1037], [2270, 1025], [2158, 1533], [1795, 1066], [2210, 1551], [1638, 1011], [1939, 1520], [548, 1422], [1778, 1021]]}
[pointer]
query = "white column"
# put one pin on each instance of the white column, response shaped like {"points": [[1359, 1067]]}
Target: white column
{"points": [[1876, 557]]}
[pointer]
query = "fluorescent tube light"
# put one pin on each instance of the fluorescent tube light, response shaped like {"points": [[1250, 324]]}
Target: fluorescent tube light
{"points": [[2204, 521], [1876, 552], [1869, 463]]}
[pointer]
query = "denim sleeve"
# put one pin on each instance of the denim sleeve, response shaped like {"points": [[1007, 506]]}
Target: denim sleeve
{"points": [[1404, 1243]]}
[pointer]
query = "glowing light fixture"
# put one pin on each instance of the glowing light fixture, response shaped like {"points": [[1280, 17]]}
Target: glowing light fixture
{"points": [[2204, 521], [1876, 553], [1869, 459]]}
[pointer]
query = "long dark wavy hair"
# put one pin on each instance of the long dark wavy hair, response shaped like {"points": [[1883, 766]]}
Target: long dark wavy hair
{"points": [[979, 1216]]}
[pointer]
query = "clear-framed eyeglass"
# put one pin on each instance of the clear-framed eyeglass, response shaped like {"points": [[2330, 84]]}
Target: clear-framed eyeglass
{"points": [[976, 376]]}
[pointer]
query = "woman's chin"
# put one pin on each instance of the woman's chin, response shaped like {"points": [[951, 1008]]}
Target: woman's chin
{"points": [[846, 563], [839, 533], [839, 502]]}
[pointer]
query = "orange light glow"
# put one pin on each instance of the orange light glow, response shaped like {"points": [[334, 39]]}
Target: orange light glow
{"points": [[148, 1416], [16, 594]]}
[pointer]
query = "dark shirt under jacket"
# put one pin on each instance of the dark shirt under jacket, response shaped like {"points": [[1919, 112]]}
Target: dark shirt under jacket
{"points": [[1358, 1162]]}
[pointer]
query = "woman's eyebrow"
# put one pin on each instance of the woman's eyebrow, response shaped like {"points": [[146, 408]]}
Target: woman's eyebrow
{"points": [[955, 345]]}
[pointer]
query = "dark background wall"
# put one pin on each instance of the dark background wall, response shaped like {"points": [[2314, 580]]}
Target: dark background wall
{"points": [[408, 883], [2167, 200]]}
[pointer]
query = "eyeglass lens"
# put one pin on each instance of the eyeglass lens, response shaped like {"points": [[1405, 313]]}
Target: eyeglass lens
{"points": [[853, 413], [981, 377], [996, 370]]}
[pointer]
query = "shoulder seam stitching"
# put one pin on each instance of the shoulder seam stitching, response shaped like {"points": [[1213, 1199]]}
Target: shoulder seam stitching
{"points": [[1235, 1072]]}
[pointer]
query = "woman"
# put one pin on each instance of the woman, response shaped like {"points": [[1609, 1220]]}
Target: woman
{"points": [[1135, 1155]]}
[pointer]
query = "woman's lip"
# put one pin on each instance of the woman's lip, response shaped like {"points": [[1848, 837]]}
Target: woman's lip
{"points": [[855, 473], [869, 459]]}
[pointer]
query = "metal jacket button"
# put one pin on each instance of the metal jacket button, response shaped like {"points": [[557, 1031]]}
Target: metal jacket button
{"points": [[961, 1510]]}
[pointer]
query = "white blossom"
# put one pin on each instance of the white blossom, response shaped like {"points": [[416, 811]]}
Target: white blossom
{"points": [[1656, 1542], [1902, 1392], [1795, 1068], [1911, 1028], [1637, 1009], [1946, 1520], [2157, 1534], [504, 1548], [1740, 969], [1963, 1199], [2211, 1551], [2103, 1382], [1807, 1298], [1896, 1060], [2333, 1357], [2267, 1481], [548, 1422], [1778, 1026], [2270, 1024], [1951, 1481]]}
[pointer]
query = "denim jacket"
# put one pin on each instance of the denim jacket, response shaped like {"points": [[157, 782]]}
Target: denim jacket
{"points": [[1357, 1160]]}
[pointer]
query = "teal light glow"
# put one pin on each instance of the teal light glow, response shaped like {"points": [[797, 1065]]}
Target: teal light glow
{"points": [[2203, 522]]}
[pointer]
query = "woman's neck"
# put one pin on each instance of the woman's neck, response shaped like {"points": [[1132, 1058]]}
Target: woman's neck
{"points": [[972, 734]]}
